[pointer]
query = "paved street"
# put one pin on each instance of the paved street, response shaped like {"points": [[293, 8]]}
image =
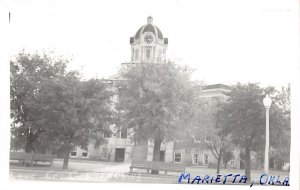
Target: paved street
{"points": [[95, 171]]}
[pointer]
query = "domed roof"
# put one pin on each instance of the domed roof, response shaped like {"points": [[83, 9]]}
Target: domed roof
{"points": [[149, 27]]}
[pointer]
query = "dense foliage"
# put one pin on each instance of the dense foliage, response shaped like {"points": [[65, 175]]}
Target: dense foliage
{"points": [[156, 101], [243, 117], [53, 109]]}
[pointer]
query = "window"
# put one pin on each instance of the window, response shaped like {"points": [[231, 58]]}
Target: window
{"points": [[132, 54], [84, 155], [73, 153], [136, 54], [205, 159], [195, 159], [104, 152], [177, 157], [206, 139], [124, 133], [121, 133], [148, 52], [159, 56], [232, 163]]}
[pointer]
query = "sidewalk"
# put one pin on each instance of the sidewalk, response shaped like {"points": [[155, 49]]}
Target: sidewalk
{"points": [[102, 177], [95, 171]]}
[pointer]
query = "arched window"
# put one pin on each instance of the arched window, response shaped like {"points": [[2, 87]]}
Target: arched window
{"points": [[136, 54], [159, 56], [148, 52], [132, 54]]}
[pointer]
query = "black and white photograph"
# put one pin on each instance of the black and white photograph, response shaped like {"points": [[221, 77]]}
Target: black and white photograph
{"points": [[138, 92]]}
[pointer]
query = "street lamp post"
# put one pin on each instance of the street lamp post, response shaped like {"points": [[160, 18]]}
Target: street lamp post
{"points": [[267, 103]]}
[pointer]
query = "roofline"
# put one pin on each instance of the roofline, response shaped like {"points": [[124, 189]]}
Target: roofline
{"points": [[216, 86]]}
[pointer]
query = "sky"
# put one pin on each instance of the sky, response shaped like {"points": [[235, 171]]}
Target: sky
{"points": [[224, 41]]}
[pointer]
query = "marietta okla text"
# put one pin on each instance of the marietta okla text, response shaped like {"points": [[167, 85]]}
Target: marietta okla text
{"points": [[264, 179]]}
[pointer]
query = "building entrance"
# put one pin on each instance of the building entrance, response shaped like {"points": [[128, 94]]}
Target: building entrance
{"points": [[162, 156], [120, 154]]}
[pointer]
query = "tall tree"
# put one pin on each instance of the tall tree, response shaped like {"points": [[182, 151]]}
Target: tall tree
{"points": [[54, 109], [156, 101], [244, 118], [27, 73], [73, 111]]}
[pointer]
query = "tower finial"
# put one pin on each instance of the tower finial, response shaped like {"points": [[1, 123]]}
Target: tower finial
{"points": [[149, 20]]}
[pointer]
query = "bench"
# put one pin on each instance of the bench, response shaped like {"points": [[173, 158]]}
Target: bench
{"points": [[160, 166], [23, 158], [31, 158], [43, 158]]}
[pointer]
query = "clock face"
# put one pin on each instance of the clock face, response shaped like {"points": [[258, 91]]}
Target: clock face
{"points": [[148, 39]]}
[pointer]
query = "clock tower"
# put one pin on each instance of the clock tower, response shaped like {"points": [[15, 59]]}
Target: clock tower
{"points": [[148, 44]]}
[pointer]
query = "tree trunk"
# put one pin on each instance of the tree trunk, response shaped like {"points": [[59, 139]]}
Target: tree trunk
{"points": [[156, 153], [219, 161], [247, 160], [218, 165], [29, 145], [66, 159]]}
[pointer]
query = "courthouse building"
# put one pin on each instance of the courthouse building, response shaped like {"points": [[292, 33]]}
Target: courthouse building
{"points": [[148, 45]]}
